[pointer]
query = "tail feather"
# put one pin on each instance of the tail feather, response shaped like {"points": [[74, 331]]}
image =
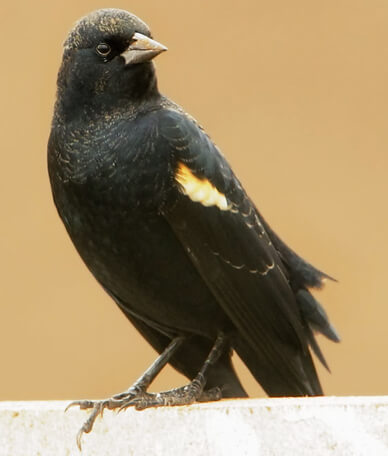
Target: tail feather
{"points": [[315, 347], [302, 275], [273, 383], [315, 315]]}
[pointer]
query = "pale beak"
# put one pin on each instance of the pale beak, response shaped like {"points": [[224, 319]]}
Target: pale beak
{"points": [[142, 49]]}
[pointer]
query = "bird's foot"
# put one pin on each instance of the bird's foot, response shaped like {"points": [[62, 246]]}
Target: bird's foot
{"points": [[114, 403], [141, 400], [184, 395]]}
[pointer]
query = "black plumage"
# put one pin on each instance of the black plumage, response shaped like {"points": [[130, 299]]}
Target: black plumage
{"points": [[164, 225]]}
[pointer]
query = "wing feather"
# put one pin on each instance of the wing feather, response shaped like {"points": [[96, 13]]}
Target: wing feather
{"points": [[235, 257]]}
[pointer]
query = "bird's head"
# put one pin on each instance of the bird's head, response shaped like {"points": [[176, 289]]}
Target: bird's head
{"points": [[107, 58]]}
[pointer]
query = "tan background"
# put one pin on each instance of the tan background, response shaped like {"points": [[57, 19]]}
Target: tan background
{"points": [[295, 94]]}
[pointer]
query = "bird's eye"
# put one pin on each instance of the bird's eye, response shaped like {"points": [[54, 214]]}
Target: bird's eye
{"points": [[103, 49]]}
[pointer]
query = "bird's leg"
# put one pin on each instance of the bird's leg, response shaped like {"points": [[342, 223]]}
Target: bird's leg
{"points": [[145, 380], [138, 388], [187, 394], [136, 396]]}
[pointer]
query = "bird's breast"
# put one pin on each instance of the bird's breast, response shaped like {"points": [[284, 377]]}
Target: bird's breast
{"points": [[106, 168]]}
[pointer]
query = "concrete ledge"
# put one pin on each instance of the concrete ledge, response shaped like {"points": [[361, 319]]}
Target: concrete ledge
{"points": [[259, 427]]}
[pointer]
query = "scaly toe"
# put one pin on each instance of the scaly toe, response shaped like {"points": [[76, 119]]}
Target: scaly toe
{"points": [[83, 405]]}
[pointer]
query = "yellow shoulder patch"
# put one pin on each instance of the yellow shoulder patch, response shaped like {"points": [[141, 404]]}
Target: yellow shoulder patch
{"points": [[199, 190]]}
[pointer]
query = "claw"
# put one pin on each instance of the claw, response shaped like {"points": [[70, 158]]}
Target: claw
{"points": [[70, 405], [121, 408], [98, 408], [83, 405], [125, 405], [79, 439]]}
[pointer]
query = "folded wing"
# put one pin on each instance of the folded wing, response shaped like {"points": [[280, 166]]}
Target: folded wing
{"points": [[224, 237]]}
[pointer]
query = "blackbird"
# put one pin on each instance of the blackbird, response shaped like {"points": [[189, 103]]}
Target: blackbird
{"points": [[165, 226]]}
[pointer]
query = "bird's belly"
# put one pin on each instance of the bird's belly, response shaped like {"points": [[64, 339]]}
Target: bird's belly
{"points": [[141, 263]]}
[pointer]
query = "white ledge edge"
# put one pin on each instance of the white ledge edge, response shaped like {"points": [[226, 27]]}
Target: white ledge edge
{"points": [[260, 427]]}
